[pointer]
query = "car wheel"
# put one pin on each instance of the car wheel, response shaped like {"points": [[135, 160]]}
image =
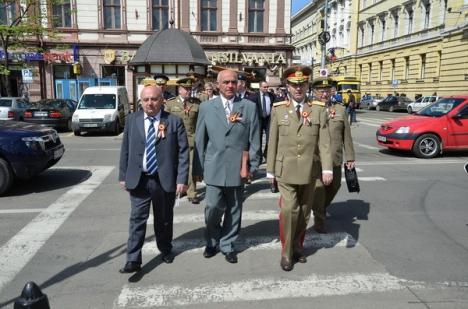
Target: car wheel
{"points": [[426, 146], [369, 107], [77, 132], [377, 108], [391, 109], [6, 176], [116, 129], [69, 125], [410, 110]]}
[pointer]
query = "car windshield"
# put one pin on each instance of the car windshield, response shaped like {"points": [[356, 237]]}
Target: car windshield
{"points": [[441, 107], [6, 103], [98, 101], [46, 104]]}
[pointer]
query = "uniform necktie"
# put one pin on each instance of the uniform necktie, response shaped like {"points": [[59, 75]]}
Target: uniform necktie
{"points": [[264, 106], [151, 161], [298, 111]]}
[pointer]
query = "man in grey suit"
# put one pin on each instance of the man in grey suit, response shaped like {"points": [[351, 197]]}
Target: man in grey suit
{"points": [[227, 137], [154, 163]]}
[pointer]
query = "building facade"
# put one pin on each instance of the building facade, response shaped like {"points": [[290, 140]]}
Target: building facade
{"points": [[411, 47], [100, 38]]}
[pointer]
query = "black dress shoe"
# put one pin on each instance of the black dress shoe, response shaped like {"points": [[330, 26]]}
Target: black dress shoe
{"points": [[168, 258], [194, 200], [231, 257], [274, 187], [299, 257], [130, 267], [286, 264], [210, 252]]}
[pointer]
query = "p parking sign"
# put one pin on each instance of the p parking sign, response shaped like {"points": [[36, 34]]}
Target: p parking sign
{"points": [[27, 76]]}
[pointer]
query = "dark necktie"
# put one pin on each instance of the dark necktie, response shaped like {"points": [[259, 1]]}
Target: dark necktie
{"points": [[151, 161], [264, 107], [298, 111]]}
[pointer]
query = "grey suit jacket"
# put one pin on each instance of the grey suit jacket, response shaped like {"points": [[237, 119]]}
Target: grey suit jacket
{"points": [[219, 144], [172, 152]]}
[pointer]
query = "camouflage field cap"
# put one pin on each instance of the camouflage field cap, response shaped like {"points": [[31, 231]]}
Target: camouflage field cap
{"points": [[297, 74]]}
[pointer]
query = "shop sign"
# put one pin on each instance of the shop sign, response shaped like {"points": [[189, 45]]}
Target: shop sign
{"points": [[119, 56], [66, 57], [247, 58]]}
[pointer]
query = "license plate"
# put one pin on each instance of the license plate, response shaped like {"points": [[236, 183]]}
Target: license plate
{"points": [[90, 125], [58, 153], [40, 114], [381, 138]]}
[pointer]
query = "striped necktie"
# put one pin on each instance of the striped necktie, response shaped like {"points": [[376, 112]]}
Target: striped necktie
{"points": [[151, 161]]}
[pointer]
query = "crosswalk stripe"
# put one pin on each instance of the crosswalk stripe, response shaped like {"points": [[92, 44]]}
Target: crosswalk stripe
{"points": [[20, 211], [312, 240], [369, 124], [257, 289], [366, 146], [20, 249]]}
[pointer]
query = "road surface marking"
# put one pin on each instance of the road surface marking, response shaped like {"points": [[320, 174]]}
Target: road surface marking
{"points": [[413, 162], [20, 249], [270, 242], [369, 124], [20, 211], [258, 289], [367, 146]]}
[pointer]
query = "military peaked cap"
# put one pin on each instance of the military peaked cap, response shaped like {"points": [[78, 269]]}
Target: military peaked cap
{"points": [[322, 82], [160, 79], [297, 74], [186, 82]]}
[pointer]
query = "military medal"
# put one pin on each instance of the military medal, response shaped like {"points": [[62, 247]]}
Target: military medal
{"points": [[235, 117], [162, 130], [305, 118], [187, 109], [331, 112]]}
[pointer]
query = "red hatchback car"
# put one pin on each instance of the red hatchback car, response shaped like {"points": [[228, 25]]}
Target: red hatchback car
{"points": [[441, 126]]}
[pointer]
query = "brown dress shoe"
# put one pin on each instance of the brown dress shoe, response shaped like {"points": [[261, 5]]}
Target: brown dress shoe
{"points": [[300, 257], [286, 264], [194, 200]]}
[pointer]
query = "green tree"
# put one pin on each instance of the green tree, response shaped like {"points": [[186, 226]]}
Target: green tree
{"points": [[24, 24]]}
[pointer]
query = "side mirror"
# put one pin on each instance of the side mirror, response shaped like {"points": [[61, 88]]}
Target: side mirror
{"points": [[466, 167]]}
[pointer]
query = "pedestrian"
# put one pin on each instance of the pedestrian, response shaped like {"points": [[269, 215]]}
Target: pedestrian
{"points": [[264, 100], [186, 107], [352, 105], [227, 137], [298, 128], [154, 162], [340, 136], [210, 91], [161, 81], [242, 91]]}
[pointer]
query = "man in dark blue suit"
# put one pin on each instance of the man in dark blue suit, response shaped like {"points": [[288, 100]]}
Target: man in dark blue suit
{"points": [[154, 163]]}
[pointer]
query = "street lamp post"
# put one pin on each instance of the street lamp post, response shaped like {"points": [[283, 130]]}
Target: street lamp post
{"points": [[325, 26]]}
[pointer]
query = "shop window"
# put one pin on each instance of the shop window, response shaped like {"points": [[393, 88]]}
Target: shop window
{"points": [[160, 14], [62, 14], [423, 66], [208, 15], [63, 72], [113, 71], [7, 12], [256, 12], [112, 14]]}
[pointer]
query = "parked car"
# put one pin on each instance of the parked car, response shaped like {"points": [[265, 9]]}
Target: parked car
{"points": [[393, 103], [420, 103], [55, 113], [12, 108], [26, 150], [103, 108], [369, 102], [441, 126]]}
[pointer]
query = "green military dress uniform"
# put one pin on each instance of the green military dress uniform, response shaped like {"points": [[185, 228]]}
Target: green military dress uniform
{"points": [[340, 135], [291, 147], [188, 111]]}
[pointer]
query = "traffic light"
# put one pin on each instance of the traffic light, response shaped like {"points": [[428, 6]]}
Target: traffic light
{"points": [[77, 69]]}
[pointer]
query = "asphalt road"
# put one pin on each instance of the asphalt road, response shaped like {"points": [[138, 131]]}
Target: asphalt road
{"points": [[400, 243]]}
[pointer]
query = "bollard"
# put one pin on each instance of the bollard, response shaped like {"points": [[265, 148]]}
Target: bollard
{"points": [[32, 298]]}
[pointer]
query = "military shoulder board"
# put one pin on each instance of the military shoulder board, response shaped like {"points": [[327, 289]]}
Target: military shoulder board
{"points": [[280, 103], [318, 103]]}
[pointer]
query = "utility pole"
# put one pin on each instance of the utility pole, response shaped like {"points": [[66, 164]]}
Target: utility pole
{"points": [[325, 28]]}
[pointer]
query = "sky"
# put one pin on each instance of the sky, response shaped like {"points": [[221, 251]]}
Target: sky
{"points": [[296, 5]]}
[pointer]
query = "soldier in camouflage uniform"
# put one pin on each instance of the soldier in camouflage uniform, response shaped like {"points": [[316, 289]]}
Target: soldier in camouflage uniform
{"points": [[187, 108], [340, 135], [298, 127]]}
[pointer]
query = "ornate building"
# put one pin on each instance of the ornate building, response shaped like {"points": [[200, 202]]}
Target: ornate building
{"points": [[102, 36]]}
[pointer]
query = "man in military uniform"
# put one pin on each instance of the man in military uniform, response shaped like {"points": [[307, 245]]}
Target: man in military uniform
{"points": [[298, 127], [161, 82], [186, 108], [340, 135]]}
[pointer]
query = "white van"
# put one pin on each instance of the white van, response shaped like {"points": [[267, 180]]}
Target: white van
{"points": [[103, 108]]}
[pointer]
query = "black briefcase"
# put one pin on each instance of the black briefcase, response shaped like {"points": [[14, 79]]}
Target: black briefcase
{"points": [[351, 179]]}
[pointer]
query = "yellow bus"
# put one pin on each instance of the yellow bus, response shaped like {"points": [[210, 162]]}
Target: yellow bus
{"points": [[345, 83]]}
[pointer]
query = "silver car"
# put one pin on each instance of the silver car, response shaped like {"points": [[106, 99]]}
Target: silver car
{"points": [[12, 108]]}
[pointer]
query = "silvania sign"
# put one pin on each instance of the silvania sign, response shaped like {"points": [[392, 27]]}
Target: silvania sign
{"points": [[247, 58]]}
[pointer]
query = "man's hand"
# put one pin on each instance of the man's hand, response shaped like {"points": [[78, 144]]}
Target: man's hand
{"points": [[181, 188], [122, 185], [350, 165], [327, 178], [198, 178]]}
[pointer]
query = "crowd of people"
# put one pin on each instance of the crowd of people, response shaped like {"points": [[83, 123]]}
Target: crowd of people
{"points": [[213, 132]]}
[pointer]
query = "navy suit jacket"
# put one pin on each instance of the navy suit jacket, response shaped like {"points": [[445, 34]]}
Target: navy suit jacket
{"points": [[258, 102], [172, 152]]}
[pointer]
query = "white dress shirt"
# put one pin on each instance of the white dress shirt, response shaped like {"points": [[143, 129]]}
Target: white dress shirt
{"points": [[227, 104], [147, 124]]}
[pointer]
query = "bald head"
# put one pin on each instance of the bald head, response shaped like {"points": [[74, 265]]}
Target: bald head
{"points": [[227, 83], [151, 99]]}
